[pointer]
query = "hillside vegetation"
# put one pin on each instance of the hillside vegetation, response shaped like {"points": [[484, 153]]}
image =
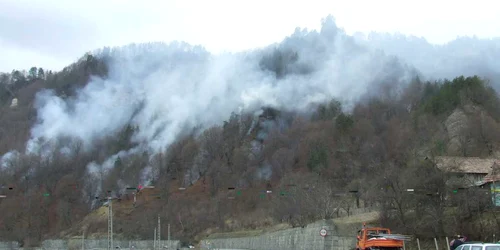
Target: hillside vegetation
{"points": [[317, 164]]}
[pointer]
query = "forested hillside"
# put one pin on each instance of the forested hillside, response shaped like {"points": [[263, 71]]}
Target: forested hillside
{"points": [[324, 136]]}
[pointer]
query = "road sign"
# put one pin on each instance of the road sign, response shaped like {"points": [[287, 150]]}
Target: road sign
{"points": [[322, 232]]}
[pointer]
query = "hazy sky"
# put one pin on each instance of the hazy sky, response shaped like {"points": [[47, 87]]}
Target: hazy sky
{"points": [[54, 33]]}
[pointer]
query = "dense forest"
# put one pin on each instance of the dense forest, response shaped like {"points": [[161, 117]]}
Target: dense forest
{"points": [[367, 156]]}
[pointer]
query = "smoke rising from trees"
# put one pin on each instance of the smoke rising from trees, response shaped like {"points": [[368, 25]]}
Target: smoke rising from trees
{"points": [[177, 102], [166, 90]]}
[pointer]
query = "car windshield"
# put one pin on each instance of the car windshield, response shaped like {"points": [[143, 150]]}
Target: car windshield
{"points": [[371, 233]]}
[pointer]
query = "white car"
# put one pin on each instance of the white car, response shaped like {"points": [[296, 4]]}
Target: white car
{"points": [[479, 246]]}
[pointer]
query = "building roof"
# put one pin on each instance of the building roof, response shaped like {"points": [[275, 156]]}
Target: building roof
{"points": [[494, 174], [467, 165]]}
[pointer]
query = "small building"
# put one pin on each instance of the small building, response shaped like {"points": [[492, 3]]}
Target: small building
{"points": [[470, 171], [494, 174], [492, 179]]}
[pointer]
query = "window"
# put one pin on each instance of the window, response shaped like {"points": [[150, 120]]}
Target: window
{"points": [[492, 248], [371, 233], [383, 232], [477, 248], [466, 248]]}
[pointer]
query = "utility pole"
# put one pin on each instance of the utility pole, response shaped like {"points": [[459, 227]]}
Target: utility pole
{"points": [[110, 223], [26, 193], [111, 210], [159, 236], [494, 193], [168, 242], [154, 242], [494, 175], [135, 199]]}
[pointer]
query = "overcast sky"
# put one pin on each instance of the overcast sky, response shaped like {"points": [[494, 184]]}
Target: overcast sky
{"points": [[54, 33]]}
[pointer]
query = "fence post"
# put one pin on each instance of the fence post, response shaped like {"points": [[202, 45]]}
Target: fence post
{"points": [[447, 243], [436, 242], [418, 244]]}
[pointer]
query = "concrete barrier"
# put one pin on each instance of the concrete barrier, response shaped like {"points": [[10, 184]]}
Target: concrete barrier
{"points": [[9, 245], [55, 244], [149, 244], [93, 244]]}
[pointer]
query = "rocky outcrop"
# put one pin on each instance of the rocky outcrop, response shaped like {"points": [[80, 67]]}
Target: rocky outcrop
{"points": [[455, 124], [461, 126]]}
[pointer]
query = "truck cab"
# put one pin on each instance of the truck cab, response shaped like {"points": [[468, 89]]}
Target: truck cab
{"points": [[378, 238]]}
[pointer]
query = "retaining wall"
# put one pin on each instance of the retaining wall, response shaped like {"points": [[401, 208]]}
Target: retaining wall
{"points": [[307, 238], [100, 244], [8, 245]]}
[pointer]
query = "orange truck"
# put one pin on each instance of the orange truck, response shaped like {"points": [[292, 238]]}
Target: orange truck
{"points": [[379, 238]]}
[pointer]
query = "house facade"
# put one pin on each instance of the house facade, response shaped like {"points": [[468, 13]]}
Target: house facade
{"points": [[493, 181], [467, 172]]}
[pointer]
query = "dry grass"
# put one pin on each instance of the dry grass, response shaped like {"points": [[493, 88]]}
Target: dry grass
{"points": [[358, 218], [239, 234], [250, 233]]}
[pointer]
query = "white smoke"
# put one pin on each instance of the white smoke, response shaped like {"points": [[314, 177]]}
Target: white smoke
{"points": [[109, 163], [264, 172], [463, 56], [7, 159], [146, 176], [165, 90]]}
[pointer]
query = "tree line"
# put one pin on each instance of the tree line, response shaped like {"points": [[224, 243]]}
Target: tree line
{"points": [[329, 161]]}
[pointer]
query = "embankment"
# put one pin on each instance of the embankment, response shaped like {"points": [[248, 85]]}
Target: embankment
{"points": [[341, 235]]}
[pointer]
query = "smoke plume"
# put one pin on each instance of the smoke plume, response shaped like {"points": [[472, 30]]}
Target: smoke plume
{"points": [[165, 90], [462, 56]]}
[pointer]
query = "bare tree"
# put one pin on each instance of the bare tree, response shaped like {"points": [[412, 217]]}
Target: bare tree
{"points": [[304, 198], [485, 131], [282, 162], [212, 143]]}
